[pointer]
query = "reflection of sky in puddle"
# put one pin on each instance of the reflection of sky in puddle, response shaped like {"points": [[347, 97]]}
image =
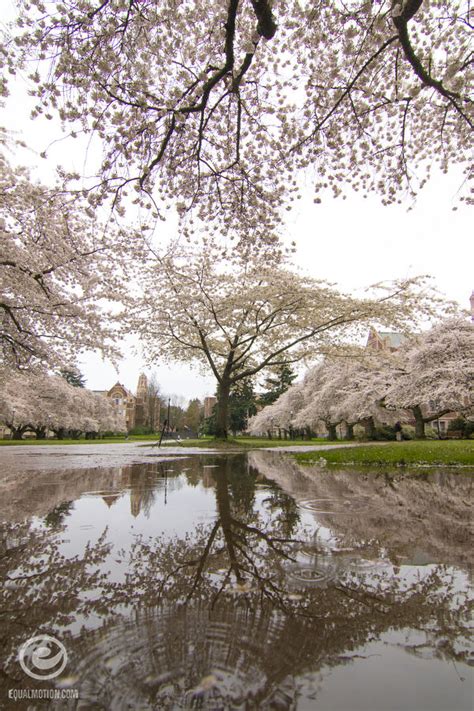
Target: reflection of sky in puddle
{"points": [[363, 682], [185, 507]]}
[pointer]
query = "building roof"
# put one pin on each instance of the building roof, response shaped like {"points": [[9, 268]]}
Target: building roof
{"points": [[382, 340], [394, 340], [123, 388]]}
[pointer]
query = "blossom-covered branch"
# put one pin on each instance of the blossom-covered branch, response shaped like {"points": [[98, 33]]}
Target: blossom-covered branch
{"points": [[214, 107], [57, 265]]}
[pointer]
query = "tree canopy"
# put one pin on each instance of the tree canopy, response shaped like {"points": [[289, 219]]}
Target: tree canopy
{"points": [[437, 374], [215, 105], [73, 377], [276, 384], [238, 318], [39, 403], [57, 267]]}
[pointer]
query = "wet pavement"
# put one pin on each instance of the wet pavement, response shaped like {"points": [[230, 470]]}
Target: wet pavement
{"points": [[42, 457]]}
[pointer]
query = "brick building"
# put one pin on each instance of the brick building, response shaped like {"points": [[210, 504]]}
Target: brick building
{"points": [[139, 410]]}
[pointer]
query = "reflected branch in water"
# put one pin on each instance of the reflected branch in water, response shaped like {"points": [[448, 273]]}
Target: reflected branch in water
{"points": [[43, 590]]}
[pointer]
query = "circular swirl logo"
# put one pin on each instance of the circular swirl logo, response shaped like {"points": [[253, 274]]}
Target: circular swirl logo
{"points": [[42, 657]]}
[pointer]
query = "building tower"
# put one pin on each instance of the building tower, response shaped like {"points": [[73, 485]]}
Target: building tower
{"points": [[141, 402], [142, 386]]}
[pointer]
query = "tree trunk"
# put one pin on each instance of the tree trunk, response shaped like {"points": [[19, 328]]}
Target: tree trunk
{"points": [[226, 520], [369, 427], [419, 423], [17, 432], [349, 433], [332, 432], [222, 409]]}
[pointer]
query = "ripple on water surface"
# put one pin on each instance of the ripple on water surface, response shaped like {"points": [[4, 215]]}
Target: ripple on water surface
{"points": [[335, 505], [320, 572], [187, 659]]}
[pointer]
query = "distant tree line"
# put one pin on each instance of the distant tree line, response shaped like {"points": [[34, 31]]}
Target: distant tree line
{"points": [[56, 403]]}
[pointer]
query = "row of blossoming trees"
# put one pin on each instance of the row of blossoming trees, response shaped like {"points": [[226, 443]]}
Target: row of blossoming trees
{"points": [[266, 98], [429, 376], [48, 403]]}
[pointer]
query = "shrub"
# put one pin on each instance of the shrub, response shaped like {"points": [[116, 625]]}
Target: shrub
{"points": [[384, 433], [142, 430], [463, 426], [469, 428]]}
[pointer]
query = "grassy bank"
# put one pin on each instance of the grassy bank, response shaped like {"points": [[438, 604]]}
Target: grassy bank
{"points": [[398, 453]]}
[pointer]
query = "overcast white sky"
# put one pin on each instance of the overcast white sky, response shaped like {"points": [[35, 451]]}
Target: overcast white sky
{"points": [[352, 242]]}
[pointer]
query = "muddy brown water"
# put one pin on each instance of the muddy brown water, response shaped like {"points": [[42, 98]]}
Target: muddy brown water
{"points": [[238, 581]]}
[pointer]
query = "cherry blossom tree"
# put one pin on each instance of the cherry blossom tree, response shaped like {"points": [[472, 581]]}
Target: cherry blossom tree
{"points": [[279, 414], [29, 402], [345, 389], [362, 384], [240, 316], [437, 375], [107, 416], [15, 405], [322, 394], [434, 375], [216, 104], [56, 267]]}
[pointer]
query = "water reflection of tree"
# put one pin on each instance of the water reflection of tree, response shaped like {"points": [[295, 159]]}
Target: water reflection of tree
{"points": [[56, 516], [398, 511], [51, 494], [43, 590], [246, 559], [243, 650], [241, 551], [219, 620]]}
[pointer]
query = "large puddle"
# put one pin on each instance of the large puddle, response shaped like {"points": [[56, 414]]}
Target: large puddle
{"points": [[238, 582]]}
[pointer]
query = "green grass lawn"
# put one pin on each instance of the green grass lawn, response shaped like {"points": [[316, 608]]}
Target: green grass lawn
{"points": [[244, 442], [398, 453]]}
